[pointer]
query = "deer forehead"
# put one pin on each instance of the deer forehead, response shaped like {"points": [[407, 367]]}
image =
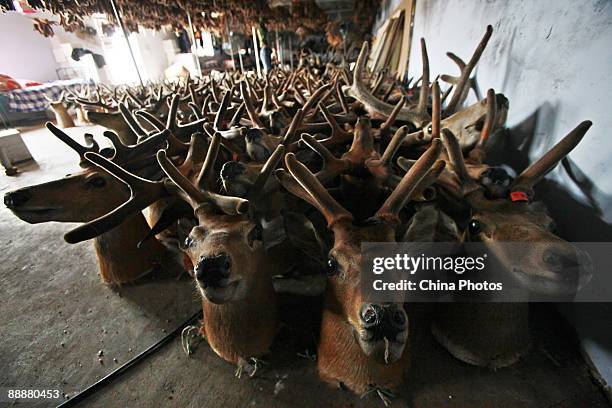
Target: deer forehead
{"points": [[466, 117], [76, 180], [515, 213], [517, 226], [221, 230], [347, 252]]}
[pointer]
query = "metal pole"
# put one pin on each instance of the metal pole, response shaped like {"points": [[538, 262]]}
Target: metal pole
{"points": [[256, 50], [278, 53], [290, 51], [194, 46], [120, 21], [281, 51], [282, 45], [229, 38], [240, 58]]}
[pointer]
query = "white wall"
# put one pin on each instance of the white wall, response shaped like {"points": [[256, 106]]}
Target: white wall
{"points": [[36, 57], [551, 58], [64, 42], [24, 53], [154, 59]]}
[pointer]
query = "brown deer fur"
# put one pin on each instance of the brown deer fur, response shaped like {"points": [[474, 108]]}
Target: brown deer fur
{"points": [[237, 330], [342, 358], [244, 326], [339, 357], [492, 335], [348, 352]]}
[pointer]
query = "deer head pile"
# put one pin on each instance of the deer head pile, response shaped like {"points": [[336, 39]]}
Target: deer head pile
{"points": [[218, 163]]}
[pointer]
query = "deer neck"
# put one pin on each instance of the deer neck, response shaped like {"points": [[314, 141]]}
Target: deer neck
{"points": [[120, 259], [492, 335], [341, 360], [245, 328]]}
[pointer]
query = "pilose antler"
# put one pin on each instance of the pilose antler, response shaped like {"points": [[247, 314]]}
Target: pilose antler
{"points": [[463, 81], [536, 171], [373, 105]]}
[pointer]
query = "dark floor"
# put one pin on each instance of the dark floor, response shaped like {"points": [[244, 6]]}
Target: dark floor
{"points": [[56, 316]]}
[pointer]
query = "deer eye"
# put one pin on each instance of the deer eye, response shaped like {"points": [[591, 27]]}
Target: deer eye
{"points": [[474, 227], [332, 266], [96, 182]]}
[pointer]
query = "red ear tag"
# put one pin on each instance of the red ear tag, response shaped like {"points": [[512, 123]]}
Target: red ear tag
{"points": [[518, 196]]}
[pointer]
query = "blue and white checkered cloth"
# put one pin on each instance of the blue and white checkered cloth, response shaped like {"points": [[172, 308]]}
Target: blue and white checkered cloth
{"points": [[32, 99]]}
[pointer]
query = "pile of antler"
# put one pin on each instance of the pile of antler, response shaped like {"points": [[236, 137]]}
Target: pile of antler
{"points": [[254, 176]]}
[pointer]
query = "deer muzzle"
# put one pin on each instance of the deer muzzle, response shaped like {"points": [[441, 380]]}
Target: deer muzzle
{"points": [[383, 331], [213, 271], [558, 261], [212, 275], [570, 267], [556, 270], [21, 204], [16, 199]]}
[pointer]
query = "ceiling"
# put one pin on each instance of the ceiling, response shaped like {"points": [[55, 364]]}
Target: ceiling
{"points": [[337, 9]]}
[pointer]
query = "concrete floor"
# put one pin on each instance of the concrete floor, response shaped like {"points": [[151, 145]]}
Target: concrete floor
{"points": [[56, 316]]}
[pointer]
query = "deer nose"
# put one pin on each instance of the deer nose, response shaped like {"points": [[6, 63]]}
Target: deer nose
{"points": [[211, 271], [560, 261], [231, 169], [386, 318], [371, 314], [16, 199]]}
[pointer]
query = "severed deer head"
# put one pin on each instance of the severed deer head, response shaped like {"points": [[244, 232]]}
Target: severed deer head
{"points": [[362, 344], [551, 265], [231, 268], [91, 193]]}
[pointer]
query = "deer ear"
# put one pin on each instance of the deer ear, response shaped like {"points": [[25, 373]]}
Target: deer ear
{"points": [[169, 216]]}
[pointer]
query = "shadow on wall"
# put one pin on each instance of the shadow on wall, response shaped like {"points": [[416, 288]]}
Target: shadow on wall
{"points": [[511, 148]]}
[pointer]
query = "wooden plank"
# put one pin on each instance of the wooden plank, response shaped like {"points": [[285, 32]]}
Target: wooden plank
{"points": [[408, 7], [382, 54], [382, 62], [376, 55], [396, 46], [377, 45]]}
